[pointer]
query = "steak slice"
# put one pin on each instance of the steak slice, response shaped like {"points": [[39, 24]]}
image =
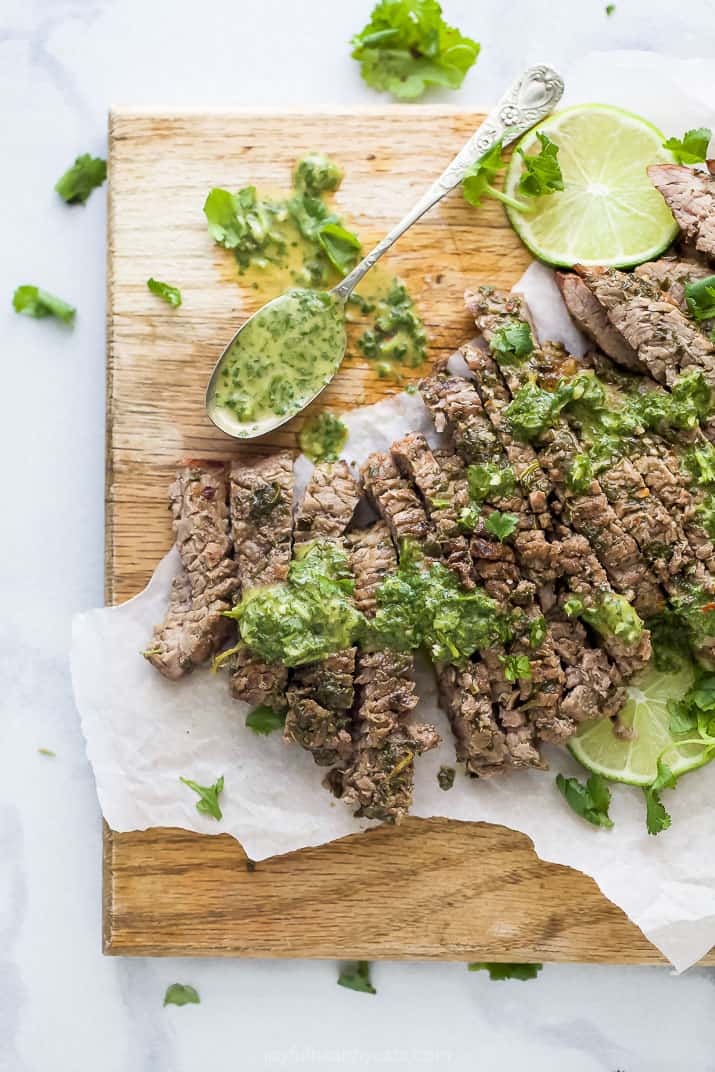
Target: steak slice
{"points": [[665, 340], [320, 695], [328, 504], [591, 318], [380, 777], [397, 503], [480, 742], [261, 524], [690, 196], [195, 626]]}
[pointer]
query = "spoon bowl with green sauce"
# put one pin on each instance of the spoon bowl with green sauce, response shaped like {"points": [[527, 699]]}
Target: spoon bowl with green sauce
{"points": [[287, 353]]}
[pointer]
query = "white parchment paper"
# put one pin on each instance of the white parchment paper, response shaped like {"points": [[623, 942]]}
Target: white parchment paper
{"points": [[144, 732]]}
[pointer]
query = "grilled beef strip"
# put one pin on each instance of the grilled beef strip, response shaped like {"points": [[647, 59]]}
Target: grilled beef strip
{"points": [[261, 526], [591, 680], [667, 343], [320, 695], [380, 776], [194, 627], [591, 318], [397, 503], [495, 567], [588, 513], [670, 275], [690, 196]]}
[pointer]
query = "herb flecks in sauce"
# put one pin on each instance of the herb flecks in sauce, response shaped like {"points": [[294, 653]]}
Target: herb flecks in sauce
{"points": [[613, 615], [397, 336], [322, 437], [281, 359], [317, 174]]}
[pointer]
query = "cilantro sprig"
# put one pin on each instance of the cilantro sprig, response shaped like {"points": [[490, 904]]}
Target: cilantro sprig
{"points": [[700, 298], [209, 794], [541, 176], [38, 303], [181, 994], [591, 801], [692, 148], [407, 46], [86, 174], [264, 720], [516, 667], [501, 525]]}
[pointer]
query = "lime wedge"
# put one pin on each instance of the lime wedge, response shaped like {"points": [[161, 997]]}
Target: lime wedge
{"points": [[646, 714], [609, 212]]}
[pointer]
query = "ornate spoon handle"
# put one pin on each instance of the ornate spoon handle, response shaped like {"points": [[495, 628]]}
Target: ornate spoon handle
{"points": [[531, 98]]}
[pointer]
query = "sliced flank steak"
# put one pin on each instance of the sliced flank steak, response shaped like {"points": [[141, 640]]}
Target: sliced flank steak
{"points": [[320, 695], [379, 779], [398, 504], [195, 626], [666, 341], [690, 196], [591, 318], [261, 526]]}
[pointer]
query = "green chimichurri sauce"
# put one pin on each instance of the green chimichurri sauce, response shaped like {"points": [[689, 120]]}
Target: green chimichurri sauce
{"points": [[283, 357]]}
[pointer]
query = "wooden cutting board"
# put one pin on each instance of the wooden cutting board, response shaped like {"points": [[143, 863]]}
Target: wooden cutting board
{"points": [[428, 889]]}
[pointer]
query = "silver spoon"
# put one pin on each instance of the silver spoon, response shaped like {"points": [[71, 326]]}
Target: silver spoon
{"points": [[531, 98]]}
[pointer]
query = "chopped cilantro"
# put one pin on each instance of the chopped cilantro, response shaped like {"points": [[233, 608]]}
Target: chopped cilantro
{"points": [[356, 976], [516, 667], [580, 473], [322, 437], [407, 46], [445, 777], [264, 720], [700, 298], [316, 174], [501, 525], [469, 518], [511, 342], [591, 801], [317, 224], [38, 303], [181, 994], [208, 804], [692, 148], [537, 632], [610, 8], [308, 616], [245, 223], [172, 295], [398, 336], [500, 972], [613, 615], [86, 174], [700, 463], [490, 481], [542, 173]]}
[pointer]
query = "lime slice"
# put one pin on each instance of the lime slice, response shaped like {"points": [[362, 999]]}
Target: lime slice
{"points": [[609, 212], [645, 713]]}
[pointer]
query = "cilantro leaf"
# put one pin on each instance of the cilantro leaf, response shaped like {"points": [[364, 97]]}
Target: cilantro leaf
{"points": [[500, 972], [356, 976], [341, 246], [468, 518], [511, 342], [610, 8], [542, 173], [501, 525], [322, 437], [172, 295], [208, 804], [700, 298], [407, 46], [657, 818], [477, 182], [490, 481], [537, 632], [692, 148], [591, 801], [516, 667], [86, 174], [38, 303], [244, 223], [264, 720], [181, 994]]}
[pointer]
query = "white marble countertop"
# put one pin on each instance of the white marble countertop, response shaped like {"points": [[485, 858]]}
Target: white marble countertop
{"points": [[63, 1007]]}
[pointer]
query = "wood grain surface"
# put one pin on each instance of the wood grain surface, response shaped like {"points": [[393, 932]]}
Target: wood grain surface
{"points": [[429, 889]]}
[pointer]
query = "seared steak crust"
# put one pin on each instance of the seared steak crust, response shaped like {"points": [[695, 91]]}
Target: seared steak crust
{"points": [[328, 504], [690, 196], [665, 340], [397, 503], [194, 627]]}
